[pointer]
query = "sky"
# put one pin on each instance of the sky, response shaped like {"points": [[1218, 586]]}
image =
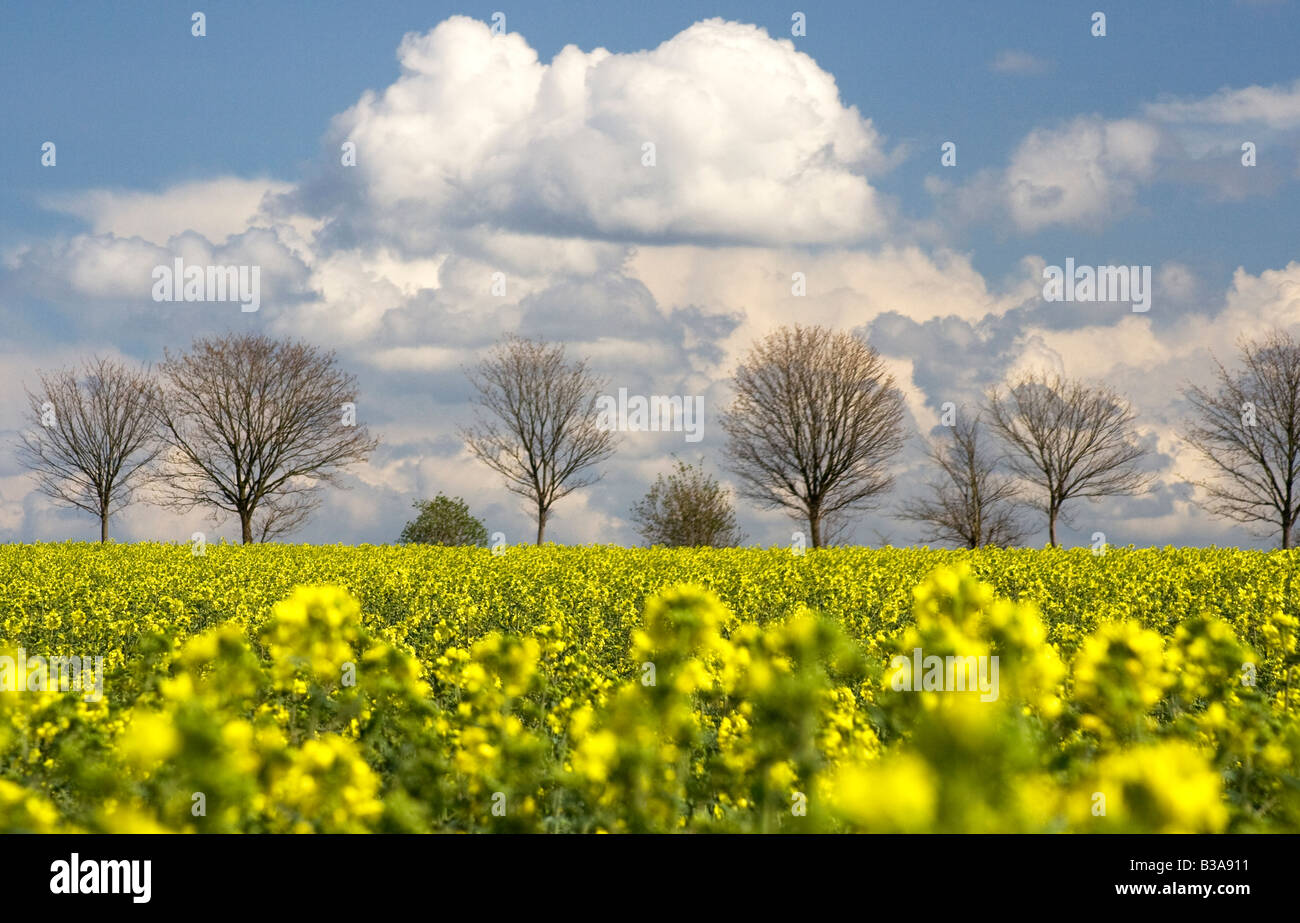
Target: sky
{"points": [[520, 150]]}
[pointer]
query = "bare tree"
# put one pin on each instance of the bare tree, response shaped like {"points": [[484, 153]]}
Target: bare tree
{"points": [[1067, 439], [257, 426], [1248, 429], [94, 437], [687, 509], [971, 503], [814, 423], [537, 425]]}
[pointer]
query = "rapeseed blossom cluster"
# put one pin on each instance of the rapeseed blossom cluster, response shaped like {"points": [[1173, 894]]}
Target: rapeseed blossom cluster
{"points": [[298, 690]]}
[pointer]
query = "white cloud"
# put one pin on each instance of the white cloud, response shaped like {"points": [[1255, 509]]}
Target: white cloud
{"points": [[1155, 360], [1275, 107], [1018, 62], [418, 358], [751, 142], [1082, 174], [215, 208], [1087, 172], [1176, 282], [845, 289], [103, 281]]}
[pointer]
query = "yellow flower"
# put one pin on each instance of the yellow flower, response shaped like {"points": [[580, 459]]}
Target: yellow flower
{"points": [[898, 794], [1159, 788], [149, 738]]}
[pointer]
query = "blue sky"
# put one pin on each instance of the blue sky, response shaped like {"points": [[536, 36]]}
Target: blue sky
{"points": [[160, 135]]}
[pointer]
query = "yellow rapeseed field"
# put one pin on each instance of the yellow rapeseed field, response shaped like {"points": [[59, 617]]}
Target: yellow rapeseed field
{"points": [[357, 689]]}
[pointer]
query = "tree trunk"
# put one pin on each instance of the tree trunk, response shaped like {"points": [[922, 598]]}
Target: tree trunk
{"points": [[103, 524], [815, 527], [1051, 525], [541, 523], [246, 525]]}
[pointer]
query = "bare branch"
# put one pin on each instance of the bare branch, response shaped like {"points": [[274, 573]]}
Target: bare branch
{"points": [[537, 425], [256, 427], [1248, 430], [93, 438], [1067, 439], [814, 424], [971, 504]]}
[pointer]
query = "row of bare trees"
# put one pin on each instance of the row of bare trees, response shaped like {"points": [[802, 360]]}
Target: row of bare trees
{"points": [[252, 427], [816, 422], [1061, 440], [1065, 440], [242, 425]]}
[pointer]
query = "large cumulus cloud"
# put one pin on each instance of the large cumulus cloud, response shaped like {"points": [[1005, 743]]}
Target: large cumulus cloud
{"points": [[751, 144]]}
